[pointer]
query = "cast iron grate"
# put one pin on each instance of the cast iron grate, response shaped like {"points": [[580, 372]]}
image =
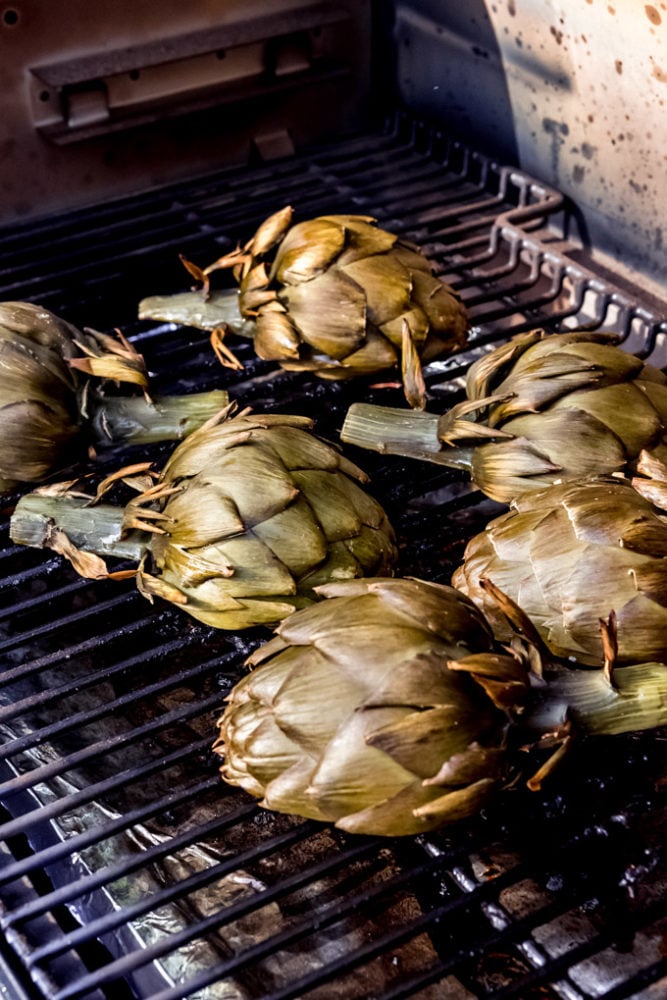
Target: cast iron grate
{"points": [[126, 868]]}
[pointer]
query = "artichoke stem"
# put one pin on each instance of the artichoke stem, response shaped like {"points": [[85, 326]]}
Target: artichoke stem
{"points": [[133, 419], [637, 700], [221, 308], [95, 529], [393, 431]]}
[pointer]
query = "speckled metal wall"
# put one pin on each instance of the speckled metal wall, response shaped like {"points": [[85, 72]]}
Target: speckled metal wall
{"points": [[573, 91]]}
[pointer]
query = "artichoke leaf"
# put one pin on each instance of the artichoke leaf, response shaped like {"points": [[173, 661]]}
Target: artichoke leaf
{"points": [[294, 537], [421, 741], [307, 250], [488, 372], [459, 804], [329, 312], [275, 337]]}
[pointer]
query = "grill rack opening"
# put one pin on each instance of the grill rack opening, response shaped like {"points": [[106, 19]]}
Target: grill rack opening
{"points": [[125, 862]]}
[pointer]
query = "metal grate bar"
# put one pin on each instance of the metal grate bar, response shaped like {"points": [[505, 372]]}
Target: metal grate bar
{"points": [[92, 679], [57, 852], [325, 917]]}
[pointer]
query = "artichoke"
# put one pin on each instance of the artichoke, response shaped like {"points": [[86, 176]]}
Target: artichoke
{"points": [[338, 296], [47, 411], [385, 709], [570, 554], [540, 409], [250, 514], [379, 709]]}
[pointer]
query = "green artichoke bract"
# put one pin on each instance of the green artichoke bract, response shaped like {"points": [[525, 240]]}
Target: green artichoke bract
{"points": [[569, 555], [47, 414], [335, 295], [250, 514], [380, 709], [540, 409]]}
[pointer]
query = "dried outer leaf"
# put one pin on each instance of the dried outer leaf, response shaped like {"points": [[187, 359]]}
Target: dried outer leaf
{"points": [[329, 312], [151, 586], [654, 492], [416, 319], [307, 250], [648, 464], [542, 384], [288, 792], [51, 432], [420, 681], [414, 386], [257, 573], [446, 313], [442, 610], [313, 722], [375, 354], [487, 373], [349, 755], [256, 279], [475, 763], [271, 231], [342, 564], [251, 302], [460, 423], [573, 440], [586, 343], [86, 564], [198, 451], [191, 567], [457, 805], [412, 257], [275, 337], [334, 501], [506, 469], [654, 390], [201, 515]]}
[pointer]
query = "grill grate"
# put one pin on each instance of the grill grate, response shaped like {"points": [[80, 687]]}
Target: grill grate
{"points": [[126, 868]]}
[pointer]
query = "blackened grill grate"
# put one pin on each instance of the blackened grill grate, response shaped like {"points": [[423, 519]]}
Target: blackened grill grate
{"points": [[126, 868]]}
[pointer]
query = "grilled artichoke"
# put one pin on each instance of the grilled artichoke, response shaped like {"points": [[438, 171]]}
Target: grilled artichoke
{"points": [[46, 413], [540, 409], [338, 296], [378, 709], [385, 710], [569, 555], [250, 514]]}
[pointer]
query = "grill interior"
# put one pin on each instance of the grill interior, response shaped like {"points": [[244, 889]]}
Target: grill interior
{"points": [[127, 869]]}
